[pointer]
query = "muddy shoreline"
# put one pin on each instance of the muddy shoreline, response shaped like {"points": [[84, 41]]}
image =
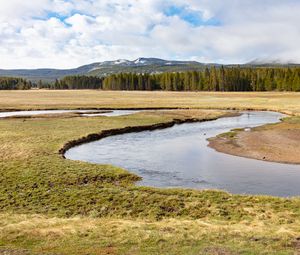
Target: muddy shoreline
{"points": [[267, 143]]}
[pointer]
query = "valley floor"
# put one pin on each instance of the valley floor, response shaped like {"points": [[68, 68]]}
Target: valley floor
{"points": [[74, 99], [49, 205]]}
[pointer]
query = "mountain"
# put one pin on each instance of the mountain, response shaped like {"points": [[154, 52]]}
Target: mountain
{"points": [[140, 65], [144, 62], [46, 74], [267, 62]]}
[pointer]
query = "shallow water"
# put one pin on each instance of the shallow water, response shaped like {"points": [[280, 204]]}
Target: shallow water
{"points": [[83, 113], [112, 113], [179, 157]]}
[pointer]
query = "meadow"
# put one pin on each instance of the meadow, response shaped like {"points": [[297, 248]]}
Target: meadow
{"points": [[50, 205], [74, 99]]}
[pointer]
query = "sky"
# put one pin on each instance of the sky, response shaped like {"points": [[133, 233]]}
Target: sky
{"points": [[70, 33]]}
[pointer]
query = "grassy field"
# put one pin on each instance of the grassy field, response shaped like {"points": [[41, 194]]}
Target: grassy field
{"points": [[43, 99], [49, 205]]}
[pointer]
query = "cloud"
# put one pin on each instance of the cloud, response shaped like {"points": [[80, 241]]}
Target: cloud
{"points": [[69, 33], [194, 17]]}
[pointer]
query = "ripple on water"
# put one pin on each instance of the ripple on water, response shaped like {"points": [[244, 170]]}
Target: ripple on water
{"points": [[179, 157]]}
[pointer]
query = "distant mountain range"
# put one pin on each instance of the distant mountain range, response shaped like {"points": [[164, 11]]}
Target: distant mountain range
{"points": [[140, 65]]}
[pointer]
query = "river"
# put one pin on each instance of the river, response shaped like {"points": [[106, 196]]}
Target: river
{"points": [[179, 157]]}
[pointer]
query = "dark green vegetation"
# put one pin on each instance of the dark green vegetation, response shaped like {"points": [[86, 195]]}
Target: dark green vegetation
{"points": [[213, 79], [74, 82], [9, 83], [210, 79], [117, 217]]}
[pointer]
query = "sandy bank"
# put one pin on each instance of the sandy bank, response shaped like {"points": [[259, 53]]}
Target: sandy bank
{"points": [[276, 143]]}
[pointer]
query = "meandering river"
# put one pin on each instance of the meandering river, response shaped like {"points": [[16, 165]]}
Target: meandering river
{"points": [[179, 157]]}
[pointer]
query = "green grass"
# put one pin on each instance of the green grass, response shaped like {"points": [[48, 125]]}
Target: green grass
{"points": [[36, 179], [49, 205], [230, 134]]}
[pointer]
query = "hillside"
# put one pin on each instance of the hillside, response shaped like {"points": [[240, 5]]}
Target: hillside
{"points": [[140, 65]]}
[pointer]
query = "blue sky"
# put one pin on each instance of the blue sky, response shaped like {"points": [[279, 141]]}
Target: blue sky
{"points": [[69, 33], [195, 18]]}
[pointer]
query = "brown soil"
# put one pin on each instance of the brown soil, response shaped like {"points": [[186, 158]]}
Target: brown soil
{"points": [[277, 143]]}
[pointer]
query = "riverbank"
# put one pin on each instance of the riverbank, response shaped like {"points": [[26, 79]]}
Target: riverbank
{"points": [[179, 117], [276, 143], [179, 157], [50, 205]]}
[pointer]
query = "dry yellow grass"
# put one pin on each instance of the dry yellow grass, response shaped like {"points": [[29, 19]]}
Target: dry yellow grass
{"points": [[117, 217], [118, 236], [71, 99]]}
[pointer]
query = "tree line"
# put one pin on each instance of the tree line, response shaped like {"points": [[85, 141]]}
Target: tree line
{"points": [[213, 79], [210, 79], [74, 82], [10, 83]]}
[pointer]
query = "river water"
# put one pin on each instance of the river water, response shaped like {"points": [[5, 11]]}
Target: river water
{"points": [[87, 113], [179, 157]]}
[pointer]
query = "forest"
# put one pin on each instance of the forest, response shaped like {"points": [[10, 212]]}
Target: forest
{"points": [[210, 79], [10, 83], [74, 82], [213, 79]]}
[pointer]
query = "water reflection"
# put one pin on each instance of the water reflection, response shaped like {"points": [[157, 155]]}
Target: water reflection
{"points": [[179, 157]]}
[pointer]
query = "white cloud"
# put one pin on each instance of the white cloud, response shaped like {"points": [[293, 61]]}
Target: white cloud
{"points": [[69, 33]]}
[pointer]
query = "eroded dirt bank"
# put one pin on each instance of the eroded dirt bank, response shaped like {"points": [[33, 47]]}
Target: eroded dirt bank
{"points": [[277, 143]]}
